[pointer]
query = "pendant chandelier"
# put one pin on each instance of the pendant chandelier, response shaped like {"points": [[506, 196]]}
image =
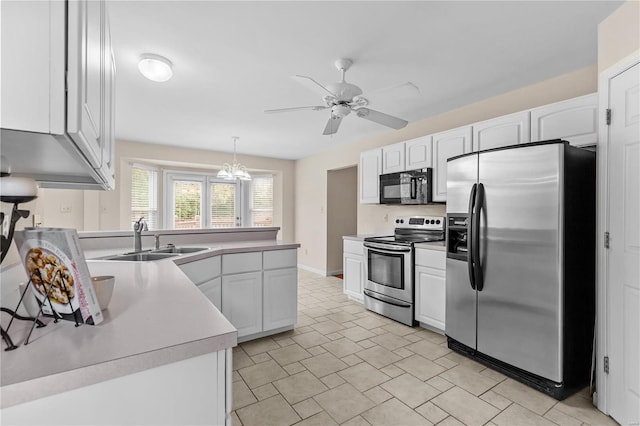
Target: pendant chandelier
{"points": [[236, 170]]}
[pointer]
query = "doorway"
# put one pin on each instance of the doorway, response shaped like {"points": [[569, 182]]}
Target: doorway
{"points": [[342, 213]]}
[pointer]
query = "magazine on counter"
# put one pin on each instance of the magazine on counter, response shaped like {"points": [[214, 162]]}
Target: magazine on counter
{"points": [[54, 261]]}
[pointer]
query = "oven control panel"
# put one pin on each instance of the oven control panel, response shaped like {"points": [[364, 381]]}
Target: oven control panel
{"points": [[420, 222]]}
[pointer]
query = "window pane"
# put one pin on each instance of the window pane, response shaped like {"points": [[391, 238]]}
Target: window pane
{"points": [[223, 205], [262, 201], [186, 210], [144, 195]]}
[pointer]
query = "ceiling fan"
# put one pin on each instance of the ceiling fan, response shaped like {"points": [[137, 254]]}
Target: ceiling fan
{"points": [[343, 98]]}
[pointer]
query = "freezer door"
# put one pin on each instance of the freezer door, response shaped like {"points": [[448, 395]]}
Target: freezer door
{"points": [[519, 307], [460, 313]]}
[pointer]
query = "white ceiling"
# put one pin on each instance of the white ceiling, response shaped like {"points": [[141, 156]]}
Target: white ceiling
{"points": [[234, 59]]}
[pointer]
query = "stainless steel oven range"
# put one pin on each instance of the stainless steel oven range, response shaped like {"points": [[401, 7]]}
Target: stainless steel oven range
{"points": [[389, 275]]}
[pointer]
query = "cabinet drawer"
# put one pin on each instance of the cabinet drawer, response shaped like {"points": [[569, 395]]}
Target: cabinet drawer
{"points": [[202, 270], [241, 262], [431, 258], [351, 246], [274, 259]]}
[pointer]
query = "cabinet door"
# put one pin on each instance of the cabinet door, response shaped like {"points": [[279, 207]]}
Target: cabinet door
{"points": [[430, 296], [418, 153], [370, 168], [393, 158], [86, 59], [446, 145], [502, 131], [33, 67], [242, 301], [108, 108], [574, 120], [353, 279], [213, 290], [280, 292]]}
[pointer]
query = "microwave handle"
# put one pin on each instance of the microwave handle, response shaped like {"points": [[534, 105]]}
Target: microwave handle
{"points": [[414, 188]]}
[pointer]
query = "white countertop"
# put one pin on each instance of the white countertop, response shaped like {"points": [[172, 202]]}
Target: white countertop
{"points": [[156, 316]]}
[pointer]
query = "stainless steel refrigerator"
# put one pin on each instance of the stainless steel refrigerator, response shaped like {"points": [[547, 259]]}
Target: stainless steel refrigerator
{"points": [[521, 262]]}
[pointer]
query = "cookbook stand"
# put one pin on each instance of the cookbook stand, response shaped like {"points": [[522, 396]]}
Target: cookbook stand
{"points": [[36, 322]]}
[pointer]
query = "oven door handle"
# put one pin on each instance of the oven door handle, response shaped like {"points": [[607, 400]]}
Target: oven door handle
{"points": [[384, 299], [387, 248]]}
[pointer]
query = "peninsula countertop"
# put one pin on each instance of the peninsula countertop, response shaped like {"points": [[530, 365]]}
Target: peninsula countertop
{"points": [[156, 316]]}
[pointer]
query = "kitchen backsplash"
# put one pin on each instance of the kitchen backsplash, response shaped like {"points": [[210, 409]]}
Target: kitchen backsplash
{"points": [[379, 219]]}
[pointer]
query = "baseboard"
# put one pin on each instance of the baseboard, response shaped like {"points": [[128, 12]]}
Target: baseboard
{"points": [[332, 273], [314, 270]]}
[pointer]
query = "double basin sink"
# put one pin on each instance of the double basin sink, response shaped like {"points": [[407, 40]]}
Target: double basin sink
{"points": [[158, 254]]}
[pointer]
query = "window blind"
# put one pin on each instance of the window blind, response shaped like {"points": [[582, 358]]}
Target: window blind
{"points": [[223, 205], [262, 200], [144, 195], [187, 197]]}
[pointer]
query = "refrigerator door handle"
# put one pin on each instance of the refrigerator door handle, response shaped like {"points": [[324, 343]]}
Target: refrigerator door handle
{"points": [[478, 272], [470, 236]]}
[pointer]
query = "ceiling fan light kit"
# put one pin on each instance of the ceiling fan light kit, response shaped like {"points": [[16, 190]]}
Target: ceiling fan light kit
{"points": [[235, 170], [342, 98]]}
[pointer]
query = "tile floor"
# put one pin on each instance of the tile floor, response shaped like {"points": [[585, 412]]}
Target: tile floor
{"points": [[345, 365]]}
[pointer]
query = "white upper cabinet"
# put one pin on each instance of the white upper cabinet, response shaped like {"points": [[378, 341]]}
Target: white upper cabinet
{"points": [[369, 171], [85, 67], [502, 131], [418, 153], [393, 158], [58, 80], [574, 120], [446, 145]]}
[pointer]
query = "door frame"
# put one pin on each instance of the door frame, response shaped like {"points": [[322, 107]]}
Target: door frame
{"points": [[601, 398]]}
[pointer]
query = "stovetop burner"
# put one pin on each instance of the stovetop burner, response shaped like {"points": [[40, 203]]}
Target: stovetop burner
{"points": [[414, 229]]}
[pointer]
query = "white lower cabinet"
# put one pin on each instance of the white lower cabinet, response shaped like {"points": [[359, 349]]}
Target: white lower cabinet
{"points": [[353, 269], [242, 301], [213, 290], [280, 298], [256, 291], [149, 397], [430, 280]]}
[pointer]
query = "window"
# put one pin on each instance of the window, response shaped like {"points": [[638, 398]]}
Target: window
{"points": [[187, 203], [144, 194], [222, 205], [261, 205], [199, 200]]}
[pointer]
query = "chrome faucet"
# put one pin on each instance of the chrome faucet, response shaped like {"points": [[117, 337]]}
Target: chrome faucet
{"points": [[138, 227]]}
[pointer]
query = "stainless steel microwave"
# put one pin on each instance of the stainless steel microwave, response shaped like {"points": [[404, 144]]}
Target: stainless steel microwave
{"points": [[410, 187]]}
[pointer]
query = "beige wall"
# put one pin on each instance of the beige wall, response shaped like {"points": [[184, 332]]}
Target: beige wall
{"points": [[115, 205], [619, 35], [342, 213], [311, 187]]}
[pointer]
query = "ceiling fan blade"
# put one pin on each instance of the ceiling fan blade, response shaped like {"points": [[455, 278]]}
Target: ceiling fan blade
{"points": [[311, 84], [332, 125], [381, 118], [312, 108]]}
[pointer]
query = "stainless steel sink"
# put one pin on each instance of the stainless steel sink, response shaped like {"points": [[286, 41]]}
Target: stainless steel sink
{"points": [[180, 250], [141, 257]]}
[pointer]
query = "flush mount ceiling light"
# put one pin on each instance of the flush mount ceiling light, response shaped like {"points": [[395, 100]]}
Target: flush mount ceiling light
{"points": [[236, 170], [155, 67]]}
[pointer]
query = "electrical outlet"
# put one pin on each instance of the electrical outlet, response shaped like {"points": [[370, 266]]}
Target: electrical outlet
{"points": [[36, 220], [65, 208]]}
